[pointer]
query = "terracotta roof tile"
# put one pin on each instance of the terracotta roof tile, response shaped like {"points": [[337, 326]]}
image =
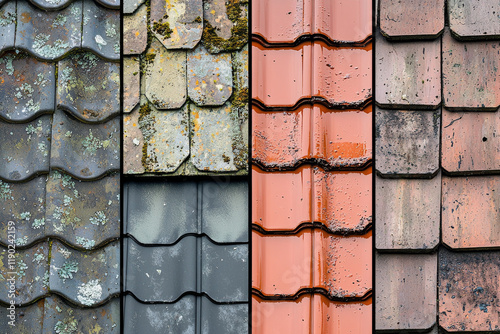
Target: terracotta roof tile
{"points": [[101, 29], [284, 201], [412, 19], [474, 18], [407, 142], [286, 21], [312, 134], [340, 77], [408, 74], [468, 291], [408, 213], [338, 267], [469, 76], [470, 142], [135, 32], [8, 24], [311, 314], [131, 83], [406, 291]]}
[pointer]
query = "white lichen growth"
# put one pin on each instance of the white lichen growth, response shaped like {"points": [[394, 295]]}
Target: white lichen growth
{"points": [[100, 41], [41, 47], [38, 223], [7, 18], [60, 20], [67, 270], [21, 268], [68, 134], [99, 218], [66, 326], [43, 149], [38, 257], [8, 61], [91, 144], [25, 215], [89, 293], [22, 241], [75, 11], [111, 30], [85, 243], [40, 80], [5, 191]]}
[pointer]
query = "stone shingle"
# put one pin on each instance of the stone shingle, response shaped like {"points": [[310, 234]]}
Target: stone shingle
{"points": [[135, 32], [131, 83]]}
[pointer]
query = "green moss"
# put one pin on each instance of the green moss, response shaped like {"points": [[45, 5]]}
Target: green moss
{"points": [[239, 32], [162, 28], [197, 20]]}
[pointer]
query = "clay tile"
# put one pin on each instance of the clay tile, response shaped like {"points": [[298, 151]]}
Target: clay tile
{"points": [[470, 142], [474, 18], [135, 32], [407, 142], [209, 77], [406, 291], [130, 6], [415, 19], [470, 211], [408, 213], [468, 291], [8, 25], [131, 83], [101, 30], [408, 74], [133, 143], [177, 25], [469, 76]]}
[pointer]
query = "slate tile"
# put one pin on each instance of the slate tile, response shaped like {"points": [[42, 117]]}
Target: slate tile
{"points": [[24, 149], [177, 25], [8, 24], [339, 266], [130, 6], [164, 273], [165, 82], [135, 32], [415, 19], [30, 271], [408, 74], [78, 211], [85, 151], [408, 213], [101, 29], [163, 212], [210, 77], [406, 291], [48, 35], [470, 75], [470, 217], [27, 87], [407, 142], [225, 25], [28, 319], [216, 139], [24, 205], [470, 141], [114, 4], [131, 83], [474, 18], [468, 291], [133, 143], [87, 279], [89, 87]]}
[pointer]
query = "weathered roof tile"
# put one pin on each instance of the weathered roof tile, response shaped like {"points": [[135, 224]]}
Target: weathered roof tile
{"points": [[101, 30], [27, 319], [129, 6], [133, 143], [131, 83], [8, 24], [135, 32], [114, 4], [474, 18]]}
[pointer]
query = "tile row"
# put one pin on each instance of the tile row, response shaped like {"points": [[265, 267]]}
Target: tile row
{"points": [[51, 35]]}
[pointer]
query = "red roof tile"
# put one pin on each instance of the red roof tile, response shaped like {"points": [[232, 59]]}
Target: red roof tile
{"points": [[474, 18]]}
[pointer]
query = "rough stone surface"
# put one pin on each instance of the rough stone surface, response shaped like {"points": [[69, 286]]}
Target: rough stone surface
{"points": [[474, 18], [131, 83], [135, 32], [129, 6], [133, 143]]}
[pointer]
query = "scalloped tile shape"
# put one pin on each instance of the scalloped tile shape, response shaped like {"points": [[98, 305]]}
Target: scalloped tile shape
{"points": [[8, 25], [131, 83], [177, 24], [85, 151], [89, 87], [87, 279], [24, 149], [135, 32], [49, 35], [210, 77], [101, 30], [129, 6], [165, 79], [474, 18], [113, 4], [27, 87], [50, 4], [77, 211]]}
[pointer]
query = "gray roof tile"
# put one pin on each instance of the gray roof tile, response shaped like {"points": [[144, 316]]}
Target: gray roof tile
{"points": [[82, 150], [28, 319], [135, 32], [210, 77], [129, 6], [115, 4], [50, 4], [474, 18], [8, 25], [89, 87], [27, 87], [131, 83], [101, 29], [24, 149]]}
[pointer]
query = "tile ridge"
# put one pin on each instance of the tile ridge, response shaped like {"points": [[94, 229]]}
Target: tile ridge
{"points": [[307, 38]]}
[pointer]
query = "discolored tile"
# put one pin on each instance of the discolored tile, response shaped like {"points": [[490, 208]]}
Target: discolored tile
{"points": [[209, 77], [24, 149], [408, 213], [114, 4], [101, 30], [474, 18], [88, 87], [27, 86], [407, 142], [130, 6], [135, 32], [131, 83], [239, 99], [85, 151], [50, 4], [133, 143], [28, 319], [8, 24]]}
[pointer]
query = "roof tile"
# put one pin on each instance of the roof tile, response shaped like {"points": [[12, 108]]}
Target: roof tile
{"points": [[28, 319], [88, 87], [115, 4], [51, 35], [165, 84], [408, 213], [24, 149], [470, 78], [470, 217], [407, 142], [474, 18], [209, 77], [240, 81], [135, 32], [471, 141], [101, 29], [8, 24], [406, 291], [408, 74], [408, 19], [27, 87], [129, 6], [133, 143], [82, 150], [131, 83], [468, 291], [177, 25]]}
